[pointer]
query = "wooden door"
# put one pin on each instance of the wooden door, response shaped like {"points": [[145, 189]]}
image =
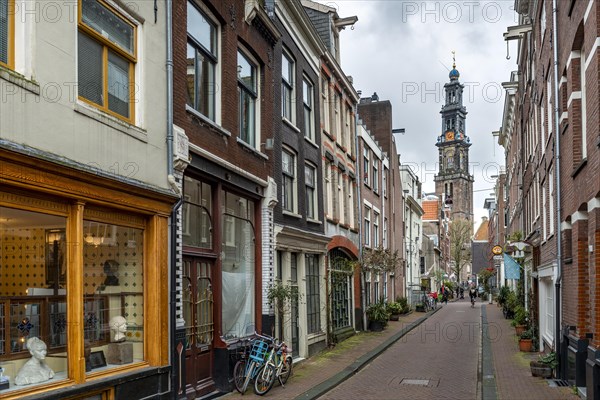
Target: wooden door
{"points": [[198, 315]]}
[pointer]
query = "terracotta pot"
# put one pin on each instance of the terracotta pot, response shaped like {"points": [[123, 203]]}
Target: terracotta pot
{"points": [[520, 329], [525, 344]]}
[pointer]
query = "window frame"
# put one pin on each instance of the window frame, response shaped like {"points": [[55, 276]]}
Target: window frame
{"points": [[108, 46], [253, 93], [10, 37], [367, 227], [308, 90], [312, 199], [366, 162], [214, 59], [289, 176], [313, 293], [288, 87], [375, 229], [375, 175]]}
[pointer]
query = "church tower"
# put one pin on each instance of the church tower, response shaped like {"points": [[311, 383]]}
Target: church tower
{"points": [[453, 183]]}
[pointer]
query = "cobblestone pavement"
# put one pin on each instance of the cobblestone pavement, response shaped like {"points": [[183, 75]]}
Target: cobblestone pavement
{"points": [[437, 360], [511, 367], [318, 369]]}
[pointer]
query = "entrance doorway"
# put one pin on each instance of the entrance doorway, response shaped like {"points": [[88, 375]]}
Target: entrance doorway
{"points": [[199, 326]]}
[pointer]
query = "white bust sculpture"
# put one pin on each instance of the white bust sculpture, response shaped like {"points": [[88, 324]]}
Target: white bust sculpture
{"points": [[35, 370], [118, 325]]}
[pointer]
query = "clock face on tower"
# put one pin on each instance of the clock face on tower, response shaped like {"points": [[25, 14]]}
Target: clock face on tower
{"points": [[450, 135]]}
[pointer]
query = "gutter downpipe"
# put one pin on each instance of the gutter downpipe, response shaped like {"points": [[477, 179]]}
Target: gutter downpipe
{"points": [[174, 211], [558, 191]]}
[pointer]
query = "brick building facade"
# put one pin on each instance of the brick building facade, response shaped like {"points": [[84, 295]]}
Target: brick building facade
{"points": [[548, 109]]}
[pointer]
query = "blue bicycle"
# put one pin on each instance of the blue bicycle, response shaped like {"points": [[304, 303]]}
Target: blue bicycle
{"points": [[247, 368]]}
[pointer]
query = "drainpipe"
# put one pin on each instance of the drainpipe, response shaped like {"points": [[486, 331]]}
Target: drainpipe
{"points": [[558, 188], [171, 180], [360, 220]]}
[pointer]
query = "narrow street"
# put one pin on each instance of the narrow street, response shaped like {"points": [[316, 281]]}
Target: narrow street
{"points": [[438, 359]]}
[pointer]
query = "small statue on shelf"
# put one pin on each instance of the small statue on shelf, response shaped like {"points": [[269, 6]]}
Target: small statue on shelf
{"points": [[35, 370], [118, 325], [111, 267]]}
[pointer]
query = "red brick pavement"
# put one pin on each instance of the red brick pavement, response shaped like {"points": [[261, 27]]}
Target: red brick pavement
{"points": [[512, 372], [317, 369]]}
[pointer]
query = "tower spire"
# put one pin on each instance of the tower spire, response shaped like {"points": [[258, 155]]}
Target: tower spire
{"points": [[453, 59]]}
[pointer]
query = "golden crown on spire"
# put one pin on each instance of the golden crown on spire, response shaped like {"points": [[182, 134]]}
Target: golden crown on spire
{"points": [[453, 59]]}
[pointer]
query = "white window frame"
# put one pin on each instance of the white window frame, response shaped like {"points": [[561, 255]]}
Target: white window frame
{"points": [[208, 54], [308, 101], [289, 175], [583, 106], [288, 87], [366, 164], [253, 92], [551, 200], [367, 228], [311, 197], [375, 175], [328, 188], [375, 229], [325, 105]]}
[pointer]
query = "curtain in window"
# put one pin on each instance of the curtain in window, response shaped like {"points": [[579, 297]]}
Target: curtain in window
{"points": [[89, 66], [4, 31], [118, 85]]}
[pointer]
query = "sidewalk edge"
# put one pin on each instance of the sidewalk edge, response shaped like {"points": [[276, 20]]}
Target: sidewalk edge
{"points": [[361, 362]]}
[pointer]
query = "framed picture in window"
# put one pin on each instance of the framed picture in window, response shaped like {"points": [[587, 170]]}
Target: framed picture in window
{"points": [[55, 243], [97, 359]]}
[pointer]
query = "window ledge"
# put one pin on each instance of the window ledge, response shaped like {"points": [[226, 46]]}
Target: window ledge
{"points": [[578, 168], [290, 124], [329, 135], [113, 122], [252, 149], [207, 121], [311, 142], [19, 80], [291, 214], [314, 221]]}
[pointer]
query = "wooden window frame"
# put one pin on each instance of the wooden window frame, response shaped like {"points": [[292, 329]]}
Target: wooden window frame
{"points": [[106, 45], [11, 36]]}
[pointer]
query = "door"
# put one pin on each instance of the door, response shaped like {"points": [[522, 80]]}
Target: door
{"points": [[199, 328]]}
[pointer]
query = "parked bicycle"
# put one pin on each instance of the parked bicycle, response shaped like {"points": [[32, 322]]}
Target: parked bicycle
{"points": [[277, 365], [247, 368]]}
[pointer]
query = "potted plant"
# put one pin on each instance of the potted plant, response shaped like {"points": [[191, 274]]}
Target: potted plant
{"points": [[378, 316], [394, 309], [403, 302], [503, 295], [520, 320], [509, 306], [525, 340], [544, 365]]}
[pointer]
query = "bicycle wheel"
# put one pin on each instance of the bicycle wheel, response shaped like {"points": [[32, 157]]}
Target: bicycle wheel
{"points": [[249, 372], [239, 375], [264, 379], [286, 371]]}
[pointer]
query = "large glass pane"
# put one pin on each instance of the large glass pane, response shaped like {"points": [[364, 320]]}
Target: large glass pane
{"points": [[200, 82], [108, 24], [89, 69], [246, 72], [4, 39], [238, 267], [201, 29], [246, 117], [33, 319], [197, 208], [113, 286], [118, 84]]}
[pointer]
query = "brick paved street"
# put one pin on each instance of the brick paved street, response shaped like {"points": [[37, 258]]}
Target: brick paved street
{"points": [[437, 360], [310, 373], [512, 372]]}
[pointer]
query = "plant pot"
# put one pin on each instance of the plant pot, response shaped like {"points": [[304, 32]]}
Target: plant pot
{"points": [[376, 326], [520, 329], [525, 344], [394, 317], [420, 308], [540, 369]]}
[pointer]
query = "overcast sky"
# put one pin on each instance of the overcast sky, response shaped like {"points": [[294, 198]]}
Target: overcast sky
{"points": [[403, 51]]}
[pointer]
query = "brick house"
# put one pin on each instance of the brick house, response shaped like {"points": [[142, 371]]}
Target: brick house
{"points": [[564, 238], [223, 102]]}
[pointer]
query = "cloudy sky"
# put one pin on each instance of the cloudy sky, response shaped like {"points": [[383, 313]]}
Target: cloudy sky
{"points": [[403, 51]]}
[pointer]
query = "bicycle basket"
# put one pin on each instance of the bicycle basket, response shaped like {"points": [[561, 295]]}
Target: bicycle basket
{"points": [[259, 350]]}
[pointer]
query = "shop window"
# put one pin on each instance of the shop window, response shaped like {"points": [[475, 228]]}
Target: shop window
{"points": [[196, 217], [33, 301], [113, 286], [201, 61], [106, 59], [238, 266]]}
